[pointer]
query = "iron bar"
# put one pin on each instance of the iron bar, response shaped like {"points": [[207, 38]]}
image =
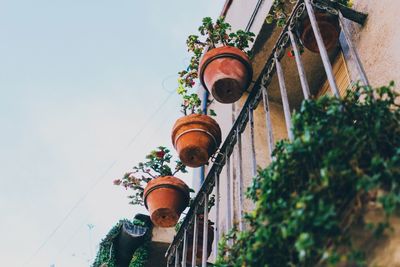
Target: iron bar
{"points": [[195, 236], [240, 179], [216, 228], [205, 231], [285, 101], [252, 142], [352, 50], [270, 135], [228, 195], [322, 49], [300, 67], [177, 256], [184, 249]]}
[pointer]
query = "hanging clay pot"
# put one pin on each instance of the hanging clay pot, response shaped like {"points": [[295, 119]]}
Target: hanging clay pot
{"points": [[199, 249], [329, 27], [166, 198], [196, 137], [226, 71]]}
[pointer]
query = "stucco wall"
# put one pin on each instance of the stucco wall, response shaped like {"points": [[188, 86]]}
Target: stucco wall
{"points": [[378, 41]]}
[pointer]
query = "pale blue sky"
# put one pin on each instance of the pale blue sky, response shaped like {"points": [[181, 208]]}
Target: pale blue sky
{"points": [[78, 79]]}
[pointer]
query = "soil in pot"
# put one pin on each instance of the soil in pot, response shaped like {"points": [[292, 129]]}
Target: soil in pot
{"points": [[329, 28], [196, 137], [166, 198], [210, 240], [226, 72]]}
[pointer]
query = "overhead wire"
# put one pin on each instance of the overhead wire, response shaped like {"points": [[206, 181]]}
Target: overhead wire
{"points": [[100, 178]]}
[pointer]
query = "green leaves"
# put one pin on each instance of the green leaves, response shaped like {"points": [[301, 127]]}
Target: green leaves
{"points": [[344, 149], [157, 164]]}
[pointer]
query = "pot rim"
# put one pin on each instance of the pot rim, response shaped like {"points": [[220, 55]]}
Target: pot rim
{"points": [[239, 55], [180, 186], [213, 127]]}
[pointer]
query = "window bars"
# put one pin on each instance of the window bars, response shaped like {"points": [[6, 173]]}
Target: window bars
{"points": [[178, 252]]}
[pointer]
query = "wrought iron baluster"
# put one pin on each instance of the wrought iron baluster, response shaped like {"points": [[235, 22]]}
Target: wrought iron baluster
{"points": [[322, 49], [285, 101], [228, 195], [184, 249], [352, 50], [271, 142], [252, 142], [195, 238], [205, 231], [177, 256], [216, 229], [300, 67], [240, 179]]}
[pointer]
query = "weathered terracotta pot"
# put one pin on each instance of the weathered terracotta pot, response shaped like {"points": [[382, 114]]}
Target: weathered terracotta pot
{"points": [[196, 137], [226, 71], [329, 28], [165, 198], [210, 240]]}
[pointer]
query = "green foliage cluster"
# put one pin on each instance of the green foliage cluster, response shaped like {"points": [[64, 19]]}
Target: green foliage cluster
{"points": [[211, 36], [281, 8], [157, 164], [343, 150], [106, 256]]}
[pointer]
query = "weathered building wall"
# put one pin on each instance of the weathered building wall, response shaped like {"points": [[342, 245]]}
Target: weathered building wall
{"points": [[377, 42]]}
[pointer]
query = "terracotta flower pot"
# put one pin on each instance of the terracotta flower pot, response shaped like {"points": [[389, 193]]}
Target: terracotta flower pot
{"points": [[210, 240], [329, 28], [226, 71], [165, 198], [196, 137]]}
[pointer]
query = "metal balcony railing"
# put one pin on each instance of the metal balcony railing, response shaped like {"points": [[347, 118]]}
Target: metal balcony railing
{"points": [[177, 253]]}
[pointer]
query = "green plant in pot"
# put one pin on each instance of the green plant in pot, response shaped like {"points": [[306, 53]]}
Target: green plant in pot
{"points": [[195, 136], [327, 23], [156, 187], [225, 69]]}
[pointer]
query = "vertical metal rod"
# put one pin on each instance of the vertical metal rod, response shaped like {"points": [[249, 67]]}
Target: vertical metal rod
{"points": [[205, 232], [300, 67], [353, 50], [216, 228], [228, 195], [195, 236], [322, 49], [271, 142], [240, 180], [253, 148], [285, 101], [184, 249], [177, 256]]}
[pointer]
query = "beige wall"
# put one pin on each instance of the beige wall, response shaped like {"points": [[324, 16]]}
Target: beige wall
{"points": [[378, 42]]}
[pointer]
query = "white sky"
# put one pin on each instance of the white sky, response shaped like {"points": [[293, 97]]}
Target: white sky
{"points": [[78, 80]]}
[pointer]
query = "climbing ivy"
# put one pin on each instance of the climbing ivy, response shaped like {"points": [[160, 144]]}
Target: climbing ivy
{"points": [[345, 151], [106, 256]]}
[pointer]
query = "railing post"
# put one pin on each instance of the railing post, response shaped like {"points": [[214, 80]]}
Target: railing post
{"points": [[271, 142], [322, 49], [195, 236], [240, 179], [184, 249], [300, 67], [228, 195], [285, 101], [205, 231], [216, 229], [352, 50], [177, 256], [252, 141]]}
